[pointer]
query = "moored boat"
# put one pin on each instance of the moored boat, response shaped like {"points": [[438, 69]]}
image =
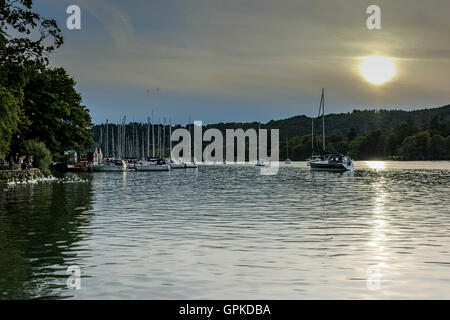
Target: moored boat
{"points": [[111, 166], [153, 164], [327, 161]]}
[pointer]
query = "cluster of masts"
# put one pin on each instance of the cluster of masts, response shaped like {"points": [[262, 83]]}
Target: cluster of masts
{"points": [[136, 140]]}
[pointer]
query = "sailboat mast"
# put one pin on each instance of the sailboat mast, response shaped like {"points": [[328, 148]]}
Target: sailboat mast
{"points": [[257, 141], [148, 137], [107, 154], [323, 118], [164, 138], [170, 139], [112, 142], [159, 137], [287, 148], [153, 134], [312, 135]]}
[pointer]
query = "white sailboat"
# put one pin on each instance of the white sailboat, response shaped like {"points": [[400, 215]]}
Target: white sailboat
{"points": [[153, 164], [193, 163], [259, 162]]}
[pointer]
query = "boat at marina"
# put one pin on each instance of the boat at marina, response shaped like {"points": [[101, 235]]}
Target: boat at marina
{"points": [[111, 165], [153, 164], [190, 164], [259, 162], [327, 161], [176, 165]]}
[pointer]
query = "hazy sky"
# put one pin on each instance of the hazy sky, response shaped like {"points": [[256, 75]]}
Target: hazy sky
{"points": [[250, 60]]}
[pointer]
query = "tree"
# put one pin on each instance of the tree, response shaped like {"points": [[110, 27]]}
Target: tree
{"points": [[408, 149], [422, 139], [34, 36], [447, 148], [9, 117], [391, 146], [354, 147], [436, 148], [42, 158], [54, 107]]}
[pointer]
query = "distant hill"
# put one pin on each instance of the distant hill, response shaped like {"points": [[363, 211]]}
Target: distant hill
{"points": [[362, 121]]}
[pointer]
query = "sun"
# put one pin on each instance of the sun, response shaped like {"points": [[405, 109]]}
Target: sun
{"points": [[377, 69]]}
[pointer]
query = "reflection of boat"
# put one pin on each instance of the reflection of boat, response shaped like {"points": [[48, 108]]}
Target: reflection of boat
{"points": [[327, 161], [153, 164], [111, 166]]}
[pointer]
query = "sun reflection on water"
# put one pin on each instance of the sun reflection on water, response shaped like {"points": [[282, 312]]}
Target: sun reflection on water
{"points": [[376, 165]]}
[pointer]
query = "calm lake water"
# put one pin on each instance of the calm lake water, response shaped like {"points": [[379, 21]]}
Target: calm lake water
{"points": [[222, 232]]}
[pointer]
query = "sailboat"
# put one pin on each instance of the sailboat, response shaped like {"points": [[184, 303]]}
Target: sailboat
{"points": [[287, 161], [172, 163], [193, 162], [327, 161], [259, 162]]}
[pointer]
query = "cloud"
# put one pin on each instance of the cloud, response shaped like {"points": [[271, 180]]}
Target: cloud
{"points": [[271, 51]]}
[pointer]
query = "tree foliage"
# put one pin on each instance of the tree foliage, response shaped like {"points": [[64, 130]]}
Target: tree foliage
{"points": [[9, 117], [42, 157], [57, 116], [37, 102], [25, 34]]}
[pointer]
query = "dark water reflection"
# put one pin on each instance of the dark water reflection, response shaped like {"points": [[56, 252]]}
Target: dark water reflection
{"points": [[40, 227], [228, 232]]}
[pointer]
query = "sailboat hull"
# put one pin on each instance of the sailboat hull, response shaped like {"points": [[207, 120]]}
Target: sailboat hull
{"points": [[330, 166], [153, 167], [177, 166]]}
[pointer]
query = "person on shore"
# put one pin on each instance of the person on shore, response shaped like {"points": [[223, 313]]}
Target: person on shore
{"points": [[29, 163], [22, 162]]}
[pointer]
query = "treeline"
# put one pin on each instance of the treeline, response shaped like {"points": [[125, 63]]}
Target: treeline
{"points": [[408, 140], [40, 110], [429, 140]]}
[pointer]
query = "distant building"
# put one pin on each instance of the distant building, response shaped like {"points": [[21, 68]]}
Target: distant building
{"points": [[71, 157], [94, 155]]}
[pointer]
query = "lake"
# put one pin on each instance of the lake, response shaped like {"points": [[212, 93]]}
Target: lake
{"points": [[227, 232]]}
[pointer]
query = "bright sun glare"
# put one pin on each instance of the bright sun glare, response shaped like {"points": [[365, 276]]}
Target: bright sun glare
{"points": [[377, 69]]}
